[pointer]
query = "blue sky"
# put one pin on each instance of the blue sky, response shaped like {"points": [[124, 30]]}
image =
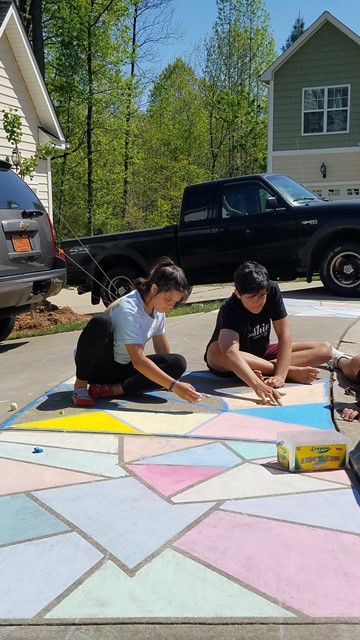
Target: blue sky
{"points": [[195, 19]]}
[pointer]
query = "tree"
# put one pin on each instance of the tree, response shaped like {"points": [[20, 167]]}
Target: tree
{"points": [[86, 52], [297, 30], [149, 24], [31, 12], [239, 49], [172, 143], [12, 126]]}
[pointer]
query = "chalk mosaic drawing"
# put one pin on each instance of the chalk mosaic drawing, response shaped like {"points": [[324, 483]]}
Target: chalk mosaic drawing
{"points": [[135, 511]]}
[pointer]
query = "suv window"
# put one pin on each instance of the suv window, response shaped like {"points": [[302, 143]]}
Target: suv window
{"points": [[15, 194]]}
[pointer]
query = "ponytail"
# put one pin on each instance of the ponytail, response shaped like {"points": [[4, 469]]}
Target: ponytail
{"points": [[166, 275]]}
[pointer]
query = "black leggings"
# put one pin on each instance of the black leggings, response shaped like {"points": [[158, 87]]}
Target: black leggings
{"points": [[95, 362]]}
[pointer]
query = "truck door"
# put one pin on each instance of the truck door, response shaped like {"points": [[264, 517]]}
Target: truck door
{"points": [[248, 227], [194, 234]]}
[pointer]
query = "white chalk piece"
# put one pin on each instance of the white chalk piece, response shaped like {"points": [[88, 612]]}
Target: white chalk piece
{"points": [[13, 406]]}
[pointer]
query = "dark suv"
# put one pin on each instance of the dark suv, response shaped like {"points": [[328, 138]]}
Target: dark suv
{"points": [[30, 269]]}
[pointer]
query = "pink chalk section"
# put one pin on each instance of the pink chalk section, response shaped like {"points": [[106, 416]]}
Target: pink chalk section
{"points": [[22, 476], [244, 427], [312, 570], [137, 447], [169, 479]]}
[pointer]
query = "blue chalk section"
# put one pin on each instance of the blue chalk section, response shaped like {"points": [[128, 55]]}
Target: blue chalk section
{"points": [[212, 455], [21, 519], [254, 450], [307, 415]]}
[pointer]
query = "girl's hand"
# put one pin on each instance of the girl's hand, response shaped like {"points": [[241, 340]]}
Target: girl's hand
{"points": [[186, 392]]}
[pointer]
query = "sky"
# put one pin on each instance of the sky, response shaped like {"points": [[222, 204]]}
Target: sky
{"points": [[196, 17]]}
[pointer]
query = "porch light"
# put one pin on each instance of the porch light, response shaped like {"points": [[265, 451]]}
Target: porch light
{"points": [[16, 158]]}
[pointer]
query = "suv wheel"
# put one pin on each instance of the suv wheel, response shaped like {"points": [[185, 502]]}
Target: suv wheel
{"points": [[340, 269], [6, 327]]}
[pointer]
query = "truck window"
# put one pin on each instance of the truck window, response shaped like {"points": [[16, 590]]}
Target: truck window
{"points": [[243, 199], [195, 205]]}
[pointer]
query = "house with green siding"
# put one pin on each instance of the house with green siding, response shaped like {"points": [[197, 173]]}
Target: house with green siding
{"points": [[314, 110]]}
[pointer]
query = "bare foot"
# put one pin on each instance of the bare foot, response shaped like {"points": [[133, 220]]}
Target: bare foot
{"points": [[303, 375], [349, 414], [259, 374]]}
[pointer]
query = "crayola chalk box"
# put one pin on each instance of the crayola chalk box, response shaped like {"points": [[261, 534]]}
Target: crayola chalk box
{"points": [[312, 450]]}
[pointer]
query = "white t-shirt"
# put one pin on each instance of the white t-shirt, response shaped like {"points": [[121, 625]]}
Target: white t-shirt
{"points": [[132, 325]]}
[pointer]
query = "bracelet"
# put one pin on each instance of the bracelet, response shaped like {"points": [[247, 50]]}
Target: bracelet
{"points": [[172, 385]]}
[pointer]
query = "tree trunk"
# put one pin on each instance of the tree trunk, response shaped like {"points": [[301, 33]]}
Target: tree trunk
{"points": [[129, 103], [89, 141], [37, 34]]}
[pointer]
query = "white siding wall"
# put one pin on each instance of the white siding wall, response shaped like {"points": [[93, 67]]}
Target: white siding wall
{"points": [[342, 171], [14, 93]]}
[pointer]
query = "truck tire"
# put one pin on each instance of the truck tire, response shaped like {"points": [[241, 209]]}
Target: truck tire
{"points": [[340, 269], [6, 327], [117, 283]]}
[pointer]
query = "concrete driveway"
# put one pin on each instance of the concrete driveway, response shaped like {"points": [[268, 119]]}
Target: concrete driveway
{"points": [[153, 518]]}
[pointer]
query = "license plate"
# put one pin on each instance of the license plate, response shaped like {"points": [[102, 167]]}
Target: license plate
{"points": [[21, 242]]}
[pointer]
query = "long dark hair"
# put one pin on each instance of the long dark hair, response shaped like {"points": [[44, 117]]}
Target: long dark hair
{"points": [[166, 275]]}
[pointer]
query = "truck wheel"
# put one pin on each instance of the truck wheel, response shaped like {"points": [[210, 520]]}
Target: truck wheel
{"points": [[340, 269], [117, 283], [6, 327]]}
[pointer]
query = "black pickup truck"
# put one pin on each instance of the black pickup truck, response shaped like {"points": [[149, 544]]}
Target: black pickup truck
{"points": [[269, 218]]}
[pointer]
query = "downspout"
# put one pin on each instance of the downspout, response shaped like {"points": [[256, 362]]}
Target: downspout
{"points": [[49, 182], [270, 126]]}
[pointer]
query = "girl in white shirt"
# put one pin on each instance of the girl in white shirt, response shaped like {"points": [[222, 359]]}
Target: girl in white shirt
{"points": [[110, 357]]}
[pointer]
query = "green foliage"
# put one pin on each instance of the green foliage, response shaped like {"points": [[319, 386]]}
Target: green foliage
{"points": [[239, 49], [88, 46], [127, 164], [171, 142], [13, 131], [12, 126], [297, 30]]}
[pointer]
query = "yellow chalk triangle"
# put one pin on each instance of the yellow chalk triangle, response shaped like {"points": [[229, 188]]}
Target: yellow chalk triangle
{"points": [[97, 421]]}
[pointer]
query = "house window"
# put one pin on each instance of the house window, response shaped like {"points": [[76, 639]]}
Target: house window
{"points": [[326, 109]]}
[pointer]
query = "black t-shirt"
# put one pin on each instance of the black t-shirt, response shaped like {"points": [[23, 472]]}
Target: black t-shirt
{"points": [[253, 328]]}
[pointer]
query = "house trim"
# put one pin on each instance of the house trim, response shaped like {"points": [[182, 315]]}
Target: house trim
{"points": [[270, 126], [20, 45], [268, 75], [304, 152]]}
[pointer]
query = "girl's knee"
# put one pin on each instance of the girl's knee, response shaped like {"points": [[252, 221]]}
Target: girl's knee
{"points": [[179, 364], [355, 360], [326, 350], [100, 324]]}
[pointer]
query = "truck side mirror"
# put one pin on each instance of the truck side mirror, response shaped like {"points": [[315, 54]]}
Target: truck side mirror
{"points": [[271, 203]]}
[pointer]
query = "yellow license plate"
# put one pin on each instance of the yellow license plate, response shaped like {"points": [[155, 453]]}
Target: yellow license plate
{"points": [[21, 243]]}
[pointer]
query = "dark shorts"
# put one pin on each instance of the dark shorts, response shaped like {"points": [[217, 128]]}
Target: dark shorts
{"points": [[270, 354]]}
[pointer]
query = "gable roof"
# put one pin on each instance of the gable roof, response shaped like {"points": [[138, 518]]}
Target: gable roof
{"points": [[268, 74], [11, 25]]}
